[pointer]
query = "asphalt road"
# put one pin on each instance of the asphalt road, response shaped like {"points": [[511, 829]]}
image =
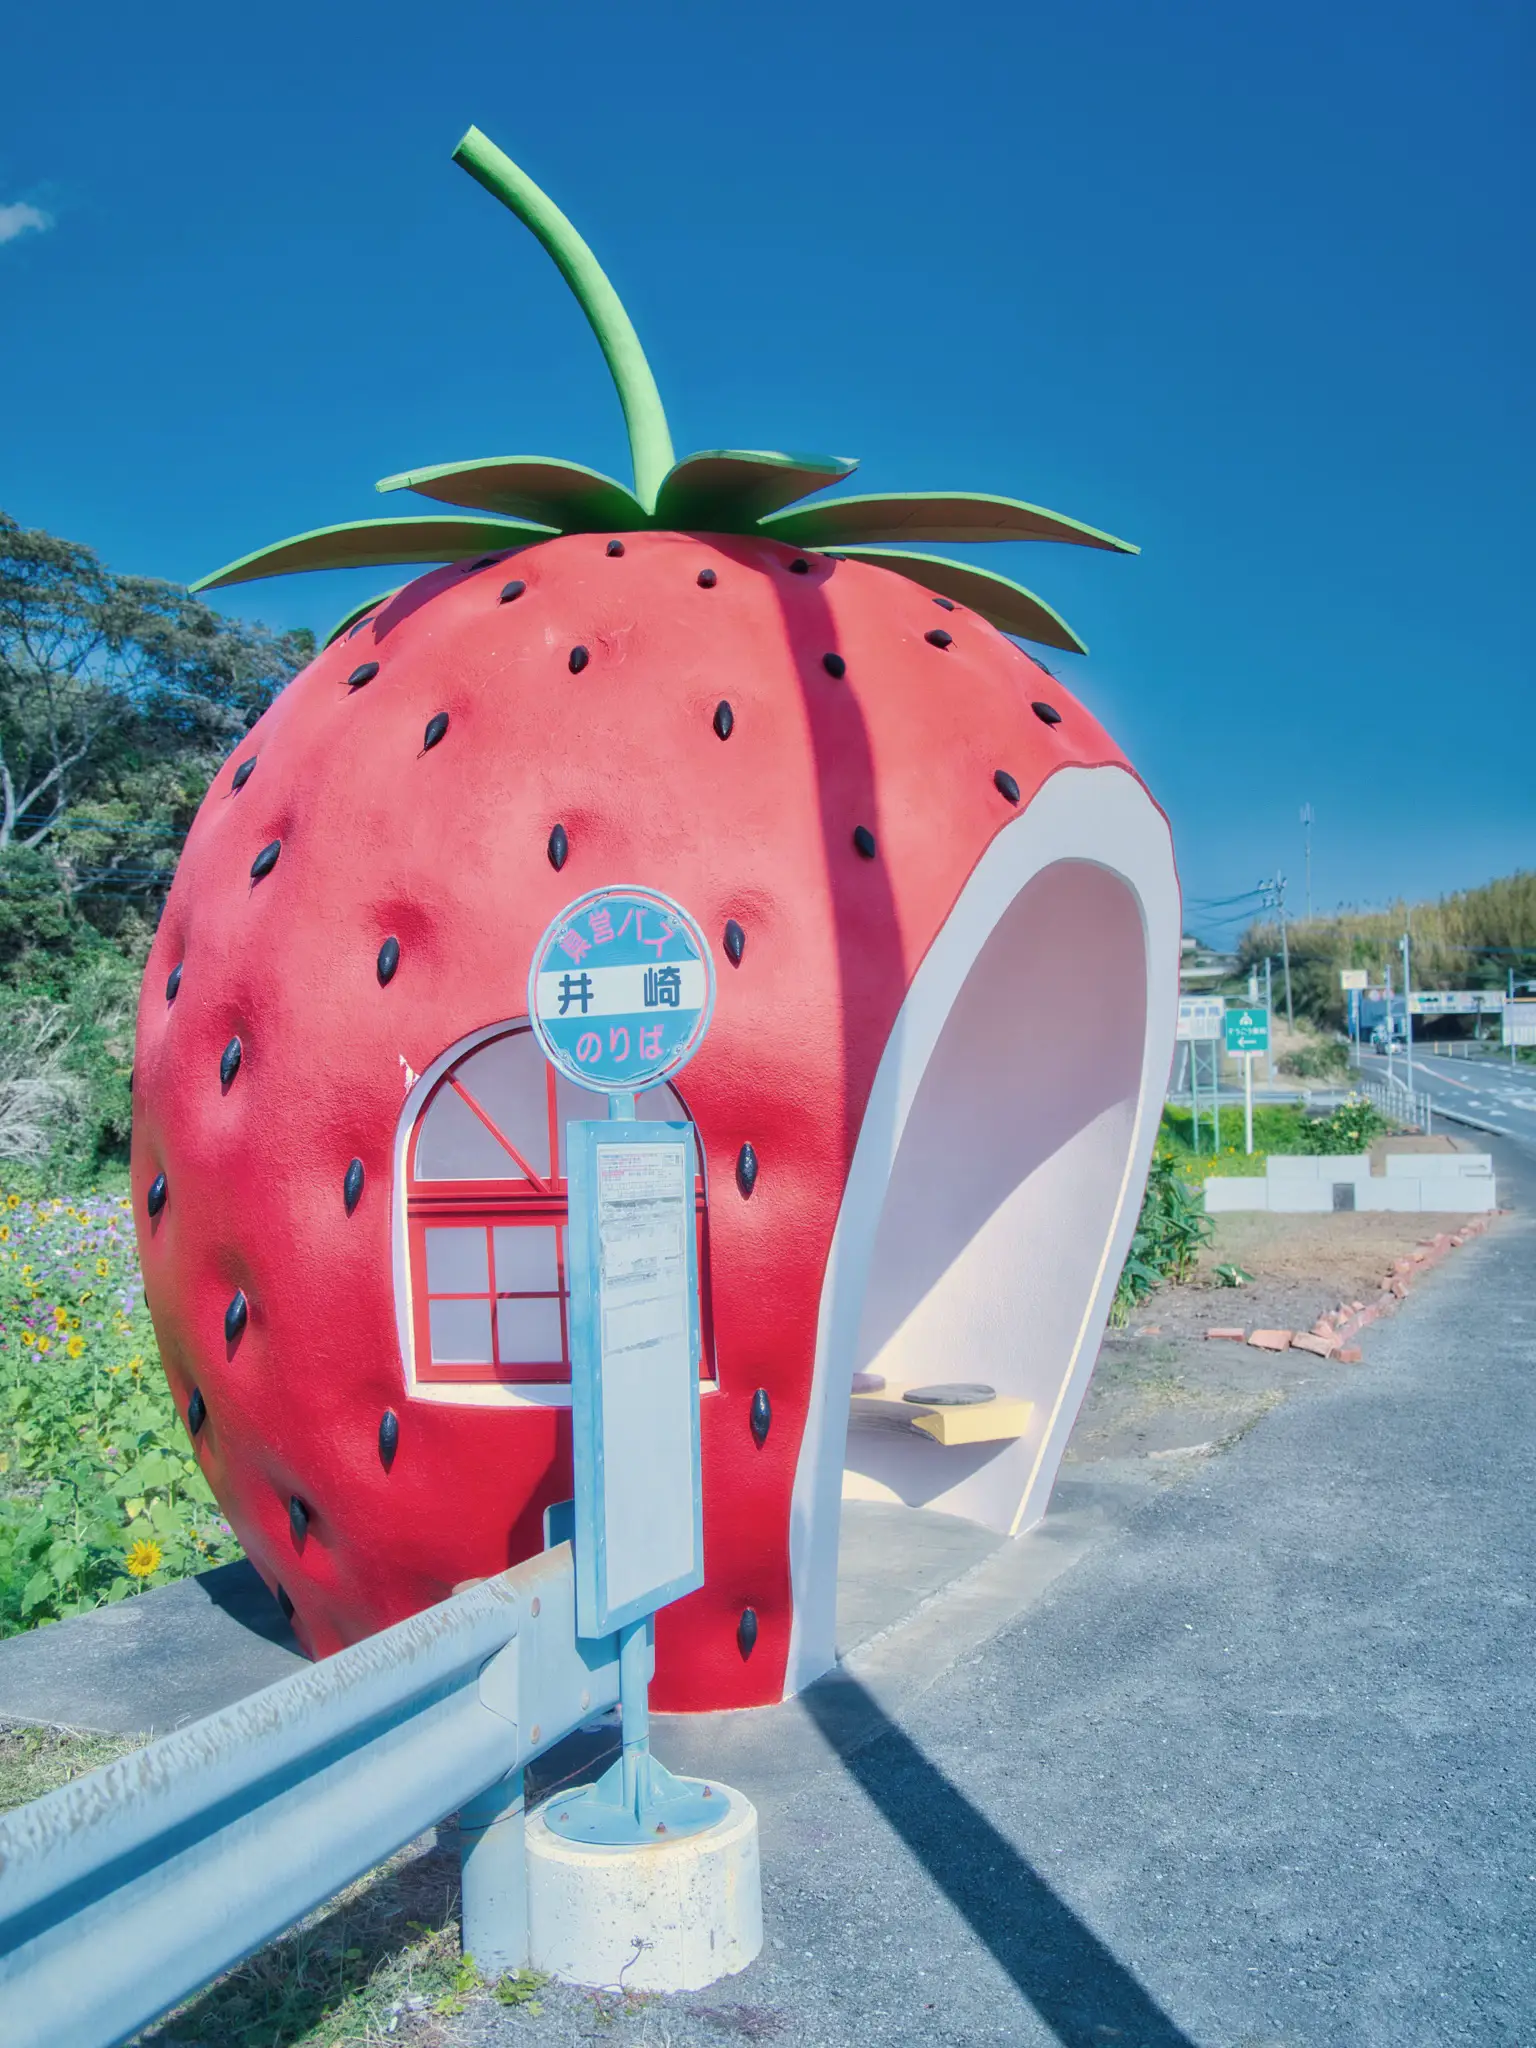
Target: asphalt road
{"points": [[1486, 1093], [1254, 1772]]}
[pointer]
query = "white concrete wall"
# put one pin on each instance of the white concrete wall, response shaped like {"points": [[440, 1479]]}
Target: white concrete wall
{"points": [[991, 1249], [1450, 1183]]}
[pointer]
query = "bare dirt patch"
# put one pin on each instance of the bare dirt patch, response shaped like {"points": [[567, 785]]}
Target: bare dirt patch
{"points": [[1163, 1391]]}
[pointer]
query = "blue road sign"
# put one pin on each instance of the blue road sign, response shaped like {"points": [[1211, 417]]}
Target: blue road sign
{"points": [[621, 989]]}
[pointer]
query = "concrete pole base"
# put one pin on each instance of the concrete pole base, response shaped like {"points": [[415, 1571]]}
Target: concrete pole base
{"points": [[664, 1916]]}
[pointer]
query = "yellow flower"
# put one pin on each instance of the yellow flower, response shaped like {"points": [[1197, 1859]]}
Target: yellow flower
{"points": [[102, 1269], [13, 1201], [45, 1343], [143, 1558], [135, 1366], [75, 1346], [5, 1233], [61, 1316], [27, 1337]]}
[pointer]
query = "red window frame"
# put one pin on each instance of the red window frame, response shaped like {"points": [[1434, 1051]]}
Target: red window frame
{"points": [[523, 1199]]}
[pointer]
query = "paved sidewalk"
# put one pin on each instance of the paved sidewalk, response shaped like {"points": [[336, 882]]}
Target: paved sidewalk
{"points": [[1255, 1773]]}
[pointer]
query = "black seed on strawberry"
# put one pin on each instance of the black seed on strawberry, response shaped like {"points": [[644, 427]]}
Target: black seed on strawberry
{"points": [[725, 719], [197, 1412], [578, 660], [352, 1185], [864, 841], [707, 579], [746, 1170], [834, 665], [1005, 785], [799, 568], [154, 1201], [389, 1437], [285, 1603], [298, 1518], [939, 638], [1046, 713], [243, 773], [363, 673], [437, 725], [389, 960], [229, 1061], [559, 848], [735, 941], [746, 1632], [236, 1316], [944, 601], [615, 547], [173, 982], [368, 621], [484, 562], [510, 592], [761, 1417], [266, 860]]}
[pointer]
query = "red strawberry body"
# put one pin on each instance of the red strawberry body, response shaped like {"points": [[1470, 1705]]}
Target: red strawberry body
{"points": [[446, 849]]}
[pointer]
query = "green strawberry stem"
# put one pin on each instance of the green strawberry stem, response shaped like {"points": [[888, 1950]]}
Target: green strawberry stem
{"points": [[650, 444]]}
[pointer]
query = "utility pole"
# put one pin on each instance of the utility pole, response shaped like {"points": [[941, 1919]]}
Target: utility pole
{"points": [[1275, 891], [1306, 832], [1407, 1012], [1269, 1005]]}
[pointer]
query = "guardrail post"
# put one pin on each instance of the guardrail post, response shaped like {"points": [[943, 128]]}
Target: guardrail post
{"points": [[493, 1872]]}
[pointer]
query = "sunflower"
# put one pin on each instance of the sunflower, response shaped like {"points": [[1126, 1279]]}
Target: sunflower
{"points": [[75, 1346], [45, 1343], [13, 1201], [102, 1269], [143, 1558], [61, 1316]]}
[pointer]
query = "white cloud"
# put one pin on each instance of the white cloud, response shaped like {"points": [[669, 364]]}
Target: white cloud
{"points": [[17, 218]]}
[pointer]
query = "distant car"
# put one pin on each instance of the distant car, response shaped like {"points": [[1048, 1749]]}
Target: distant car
{"points": [[1387, 1035]]}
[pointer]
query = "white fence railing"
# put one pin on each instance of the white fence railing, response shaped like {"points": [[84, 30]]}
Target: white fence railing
{"points": [[1402, 1104]]}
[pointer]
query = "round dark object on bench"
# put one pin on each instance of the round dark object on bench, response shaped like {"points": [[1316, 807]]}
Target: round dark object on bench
{"points": [[957, 1394]]}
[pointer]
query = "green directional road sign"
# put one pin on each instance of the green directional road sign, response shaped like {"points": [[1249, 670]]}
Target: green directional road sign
{"points": [[1247, 1030]]}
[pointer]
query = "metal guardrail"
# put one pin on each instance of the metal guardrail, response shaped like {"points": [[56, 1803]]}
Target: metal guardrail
{"points": [[126, 1891], [1404, 1105]]}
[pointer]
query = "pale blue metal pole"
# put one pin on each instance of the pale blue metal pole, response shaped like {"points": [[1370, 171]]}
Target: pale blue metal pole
{"points": [[634, 1683], [493, 1871]]}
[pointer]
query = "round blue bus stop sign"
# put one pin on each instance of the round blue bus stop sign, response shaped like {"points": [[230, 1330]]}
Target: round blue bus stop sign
{"points": [[621, 989]]}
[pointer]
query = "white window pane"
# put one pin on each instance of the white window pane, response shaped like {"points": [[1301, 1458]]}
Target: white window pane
{"points": [[528, 1332], [455, 1145], [525, 1259], [461, 1332], [506, 1078], [456, 1262], [578, 1105], [659, 1105]]}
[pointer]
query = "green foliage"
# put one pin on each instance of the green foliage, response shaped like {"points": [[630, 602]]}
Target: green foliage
{"points": [[100, 1494], [1469, 940], [1170, 1234], [1327, 1059], [119, 698], [1351, 1128]]}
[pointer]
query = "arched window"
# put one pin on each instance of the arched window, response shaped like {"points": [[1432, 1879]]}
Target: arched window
{"points": [[486, 1203]]}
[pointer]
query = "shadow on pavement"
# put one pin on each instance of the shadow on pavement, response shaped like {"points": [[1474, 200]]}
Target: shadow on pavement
{"points": [[1079, 1989]]}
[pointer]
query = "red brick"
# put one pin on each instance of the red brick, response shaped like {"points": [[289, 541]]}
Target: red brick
{"points": [[1350, 1355], [1271, 1340], [1320, 1347], [1236, 1336]]}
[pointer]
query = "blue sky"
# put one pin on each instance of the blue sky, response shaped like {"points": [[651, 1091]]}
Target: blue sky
{"points": [[1249, 286]]}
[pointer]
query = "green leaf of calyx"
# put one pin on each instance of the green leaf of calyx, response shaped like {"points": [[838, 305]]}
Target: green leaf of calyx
{"points": [[727, 490], [376, 544], [565, 495], [997, 599], [931, 515]]}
